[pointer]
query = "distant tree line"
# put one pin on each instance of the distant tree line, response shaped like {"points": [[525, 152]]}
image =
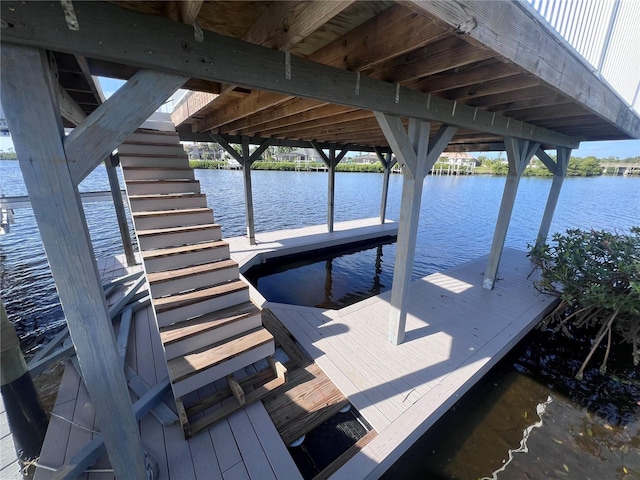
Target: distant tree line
{"points": [[8, 155], [578, 167]]}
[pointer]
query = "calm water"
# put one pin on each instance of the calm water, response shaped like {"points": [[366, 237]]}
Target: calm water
{"points": [[457, 219]]}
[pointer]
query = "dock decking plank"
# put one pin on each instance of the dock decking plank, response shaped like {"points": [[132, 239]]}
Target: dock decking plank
{"points": [[237, 472], [377, 366], [281, 462], [253, 456], [55, 442], [204, 458], [338, 376]]}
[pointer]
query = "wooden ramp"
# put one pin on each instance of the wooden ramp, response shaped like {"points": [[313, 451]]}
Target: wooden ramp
{"points": [[208, 326]]}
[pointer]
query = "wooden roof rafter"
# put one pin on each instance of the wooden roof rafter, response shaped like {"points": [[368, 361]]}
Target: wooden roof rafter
{"points": [[513, 33], [364, 43]]}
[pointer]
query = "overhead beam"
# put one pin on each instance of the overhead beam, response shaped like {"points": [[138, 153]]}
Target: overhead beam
{"points": [[281, 25], [379, 39], [519, 153], [28, 98], [282, 111], [464, 76], [236, 62], [431, 59], [319, 116], [323, 117], [512, 30], [285, 23], [274, 142]]}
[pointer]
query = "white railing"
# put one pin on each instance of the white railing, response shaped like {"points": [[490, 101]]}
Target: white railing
{"points": [[606, 33]]}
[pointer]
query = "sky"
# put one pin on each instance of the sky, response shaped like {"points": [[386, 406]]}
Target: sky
{"points": [[621, 149]]}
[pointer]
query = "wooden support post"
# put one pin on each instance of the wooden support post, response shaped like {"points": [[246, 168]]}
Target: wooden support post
{"points": [[519, 153], [236, 389], [28, 97], [331, 189], [388, 164], [123, 226], [559, 170], [248, 192], [331, 162], [246, 160], [417, 156]]}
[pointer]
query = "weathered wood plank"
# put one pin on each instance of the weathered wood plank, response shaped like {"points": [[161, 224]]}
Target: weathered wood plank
{"points": [[519, 153], [513, 33], [253, 456], [276, 451], [113, 121], [29, 106]]}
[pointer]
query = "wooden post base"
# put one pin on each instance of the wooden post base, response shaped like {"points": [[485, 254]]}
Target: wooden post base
{"points": [[251, 389]]}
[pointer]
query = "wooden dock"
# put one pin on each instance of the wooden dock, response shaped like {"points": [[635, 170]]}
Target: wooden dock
{"points": [[9, 466], [298, 240], [456, 331]]}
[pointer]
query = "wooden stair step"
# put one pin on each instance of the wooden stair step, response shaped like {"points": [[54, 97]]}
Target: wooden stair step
{"points": [[146, 187], [184, 256], [183, 306], [151, 149], [156, 137], [172, 218], [162, 202], [152, 173], [184, 299], [156, 161], [210, 328], [188, 278], [175, 236], [203, 366]]}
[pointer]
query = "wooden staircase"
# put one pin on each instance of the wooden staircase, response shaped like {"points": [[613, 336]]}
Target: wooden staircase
{"points": [[208, 326]]}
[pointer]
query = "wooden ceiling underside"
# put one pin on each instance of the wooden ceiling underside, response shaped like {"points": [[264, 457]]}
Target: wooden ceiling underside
{"points": [[383, 40]]}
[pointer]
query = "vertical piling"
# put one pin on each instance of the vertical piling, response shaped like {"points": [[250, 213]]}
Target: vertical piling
{"points": [[27, 420]]}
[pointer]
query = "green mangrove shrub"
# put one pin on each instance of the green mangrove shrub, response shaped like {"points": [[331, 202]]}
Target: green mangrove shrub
{"points": [[596, 274]]}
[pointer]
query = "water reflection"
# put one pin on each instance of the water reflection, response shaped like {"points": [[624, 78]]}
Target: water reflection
{"points": [[328, 278]]}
